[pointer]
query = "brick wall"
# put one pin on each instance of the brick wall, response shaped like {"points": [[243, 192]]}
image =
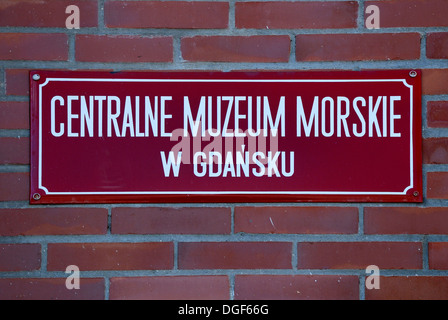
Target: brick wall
{"points": [[223, 250]]}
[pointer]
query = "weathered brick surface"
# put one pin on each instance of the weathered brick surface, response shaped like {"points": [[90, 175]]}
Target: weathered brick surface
{"points": [[17, 82], [236, 48], [128, 220], [359, 255], [14, 150], [222, 250], [123, 49], [34, 46], [14, 115], [437, 187], [170, 288], [309, 220], [411, 13], [296, 15], [297, 287], [20, 257], [435, 81], [435, 151], [167, 14], [403, 220], [235, 255], [437, 114], [46, 13], [50, 289], [438, 255], [437, 45], [14, 186], [410, 288], [52, 221]]}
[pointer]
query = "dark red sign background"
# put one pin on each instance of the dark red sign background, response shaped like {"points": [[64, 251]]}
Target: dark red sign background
{"points": [[349, 164]]}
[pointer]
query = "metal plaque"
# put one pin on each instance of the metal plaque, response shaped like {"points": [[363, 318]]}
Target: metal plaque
{"points": [[347, 136]]}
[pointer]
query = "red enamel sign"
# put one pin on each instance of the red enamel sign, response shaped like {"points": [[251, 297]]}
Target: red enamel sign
{"points": [[225, 137]]}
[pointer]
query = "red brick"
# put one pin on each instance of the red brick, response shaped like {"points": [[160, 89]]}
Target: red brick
{"points": [[359, 255], [410, 288], [435, 81], [14, 150], [437, 114], [437, 45], [437, 185], [405, 220], [411, 13], [167, 14], [20, 257], [53, 221], [14, 115], [34, 46], [111, 256], [438, 255], [357, 47], [435, 150], [236, 48], [14, 186], [127, 220], [296, 287], [17, 82], [170, 288], [296, 15], [234, 255], [50, 289], [46, 13], [308, 220], [121, 48]]}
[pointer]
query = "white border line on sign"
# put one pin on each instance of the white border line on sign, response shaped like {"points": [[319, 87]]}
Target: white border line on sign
{"points": [[48, 80]]}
